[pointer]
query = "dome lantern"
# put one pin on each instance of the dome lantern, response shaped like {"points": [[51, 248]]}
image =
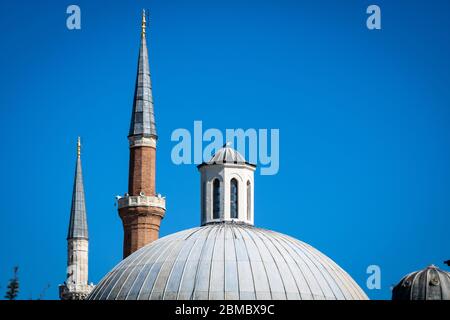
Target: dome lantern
{"points": [[227, 188]]}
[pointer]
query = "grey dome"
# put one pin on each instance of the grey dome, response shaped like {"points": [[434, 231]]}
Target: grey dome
{"points": [[227, 261], [227, 155], [430, 283]]}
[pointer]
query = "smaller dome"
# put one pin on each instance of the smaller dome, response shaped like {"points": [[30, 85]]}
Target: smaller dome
{"points": [[226, 155], [430, 283]]}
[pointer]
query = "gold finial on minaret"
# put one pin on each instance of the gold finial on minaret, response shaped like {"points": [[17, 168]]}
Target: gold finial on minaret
{"points": [[144, 23], [79, 147]]}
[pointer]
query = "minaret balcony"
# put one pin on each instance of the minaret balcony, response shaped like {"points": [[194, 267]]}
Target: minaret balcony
{"points": [[75, 292], [139, 141], [142, 201]]}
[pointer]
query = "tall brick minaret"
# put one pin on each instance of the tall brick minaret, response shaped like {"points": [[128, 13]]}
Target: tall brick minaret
{"points": [[141, 209], [76, 286]]}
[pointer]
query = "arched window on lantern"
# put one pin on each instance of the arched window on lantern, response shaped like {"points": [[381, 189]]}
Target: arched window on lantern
{"points": [[234, 199], [249, 200], [216, 199]]}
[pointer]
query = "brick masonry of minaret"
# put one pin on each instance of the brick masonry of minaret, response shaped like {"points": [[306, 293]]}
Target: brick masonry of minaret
{"points": [[142, 210], [142, 171]]}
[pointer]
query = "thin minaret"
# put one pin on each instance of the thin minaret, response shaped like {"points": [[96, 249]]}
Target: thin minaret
{"points": [[141, 209], [76, 286]]}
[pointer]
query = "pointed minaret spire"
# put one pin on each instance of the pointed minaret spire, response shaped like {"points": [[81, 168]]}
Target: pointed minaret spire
{"points": [[142, 118], [76, 286], [141, 209], [78, 222]]}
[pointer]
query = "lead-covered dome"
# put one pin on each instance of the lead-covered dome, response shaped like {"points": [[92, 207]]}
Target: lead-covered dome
{"points": [[227, 261], [430, 283], [226, 154]]}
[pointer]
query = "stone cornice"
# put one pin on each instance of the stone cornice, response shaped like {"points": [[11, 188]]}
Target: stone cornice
{"points": [[135, 142], [75, 292], [142, 201]]}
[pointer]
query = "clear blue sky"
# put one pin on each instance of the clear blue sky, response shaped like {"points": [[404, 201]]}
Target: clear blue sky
{"points": [[364, 119]]}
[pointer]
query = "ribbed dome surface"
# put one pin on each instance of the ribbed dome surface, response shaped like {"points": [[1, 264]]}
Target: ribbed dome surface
{"points": [[430, 283], [227, 155], [227, 261]]}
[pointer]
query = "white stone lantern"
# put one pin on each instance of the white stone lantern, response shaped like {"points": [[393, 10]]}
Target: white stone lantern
{"points": [[227, 188]]}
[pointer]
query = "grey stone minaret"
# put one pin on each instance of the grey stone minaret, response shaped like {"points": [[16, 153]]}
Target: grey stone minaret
{"points": [[76, 286]]}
